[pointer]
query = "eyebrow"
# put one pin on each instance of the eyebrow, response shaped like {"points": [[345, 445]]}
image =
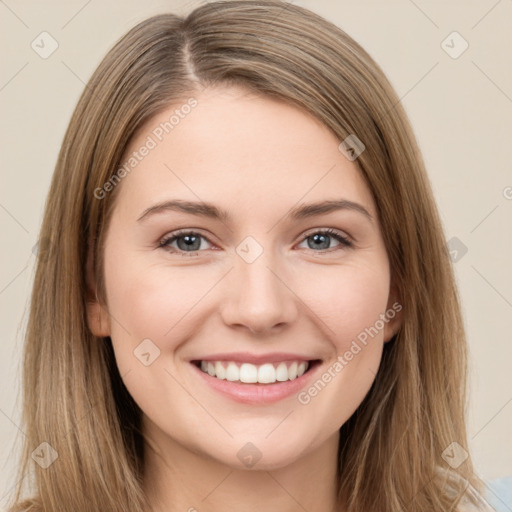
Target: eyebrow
{"points": [[209, 210]]}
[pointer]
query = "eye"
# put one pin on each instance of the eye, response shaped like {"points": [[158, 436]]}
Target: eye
{"points": [[322, 238], [187, 242]]}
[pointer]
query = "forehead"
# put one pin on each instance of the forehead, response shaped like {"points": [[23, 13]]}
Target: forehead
{"points": [[241, 151]]}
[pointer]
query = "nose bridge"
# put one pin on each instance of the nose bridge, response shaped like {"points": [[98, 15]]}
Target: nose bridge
{"points": [[259, 299]]}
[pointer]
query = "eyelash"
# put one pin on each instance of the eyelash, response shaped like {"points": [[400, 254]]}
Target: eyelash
{"points": [[167, 240]]}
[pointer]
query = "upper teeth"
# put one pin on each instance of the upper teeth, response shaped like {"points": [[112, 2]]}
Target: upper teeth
{"points": [[267, 373]]}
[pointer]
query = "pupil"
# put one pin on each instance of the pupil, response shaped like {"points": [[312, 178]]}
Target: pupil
{"points": [[322, 239], [189, 242]]}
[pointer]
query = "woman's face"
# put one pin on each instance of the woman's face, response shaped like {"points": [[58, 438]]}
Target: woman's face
{"points": [[216, 258]]}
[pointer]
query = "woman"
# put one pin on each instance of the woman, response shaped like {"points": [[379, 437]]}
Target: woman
{"points": [[246, 302]]}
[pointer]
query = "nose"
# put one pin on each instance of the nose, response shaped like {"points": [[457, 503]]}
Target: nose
{"points": [[259, 298]]}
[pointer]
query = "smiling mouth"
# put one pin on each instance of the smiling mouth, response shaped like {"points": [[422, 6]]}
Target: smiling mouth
{"points": [[248, 373]]}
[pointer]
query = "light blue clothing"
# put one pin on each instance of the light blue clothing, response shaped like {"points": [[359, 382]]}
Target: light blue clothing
{"points": [[499, 494]]}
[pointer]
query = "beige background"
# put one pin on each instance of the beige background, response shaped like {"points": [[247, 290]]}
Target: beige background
{"points": [[461, 111]]}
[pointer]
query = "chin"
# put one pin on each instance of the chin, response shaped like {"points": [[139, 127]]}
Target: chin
{"points": [[259, 453]]}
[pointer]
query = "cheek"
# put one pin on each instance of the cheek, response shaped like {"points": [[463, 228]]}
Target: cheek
{"points": [[349, 300], [149, 303], [153, 302]]}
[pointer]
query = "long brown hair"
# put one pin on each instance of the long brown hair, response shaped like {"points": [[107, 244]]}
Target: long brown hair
{"points": [[391, 449]]}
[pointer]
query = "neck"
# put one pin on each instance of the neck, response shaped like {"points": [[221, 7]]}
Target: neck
{"points": [[179, 479]]}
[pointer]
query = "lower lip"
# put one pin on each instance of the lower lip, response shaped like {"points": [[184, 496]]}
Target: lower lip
{"points": [[256, 393]]}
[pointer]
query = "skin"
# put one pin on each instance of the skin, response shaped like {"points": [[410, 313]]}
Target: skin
{"points": [[257, 158]]}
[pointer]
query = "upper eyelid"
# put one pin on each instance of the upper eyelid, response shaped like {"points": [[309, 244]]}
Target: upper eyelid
{"points": [[183, 232], [338, 232]]}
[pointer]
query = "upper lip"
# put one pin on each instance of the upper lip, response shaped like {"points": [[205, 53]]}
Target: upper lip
{"points": [[246, 357]]}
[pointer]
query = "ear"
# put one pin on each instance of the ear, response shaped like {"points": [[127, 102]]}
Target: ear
{"points": [[393, 314], [97, 314]]}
